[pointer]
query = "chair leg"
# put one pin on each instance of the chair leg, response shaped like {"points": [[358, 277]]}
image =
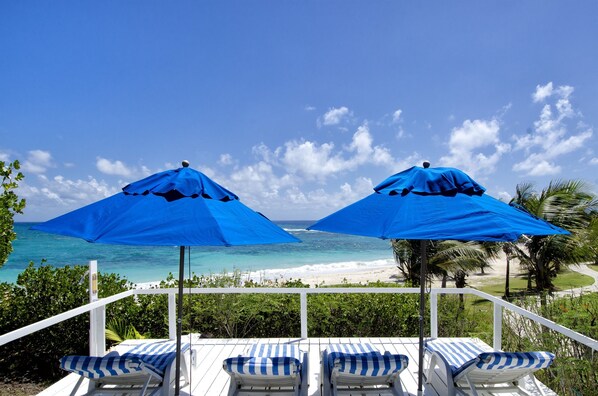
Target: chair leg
{"points": [[304, 374], [397, 387], [430, 371], [471, 386], [77, 385], [534, 381], [325, 380], [233, 389]]}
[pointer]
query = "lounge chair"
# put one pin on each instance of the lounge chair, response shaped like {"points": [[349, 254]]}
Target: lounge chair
{"points": [[280, 368], [361, 368], [474, 366], [145, 369]]}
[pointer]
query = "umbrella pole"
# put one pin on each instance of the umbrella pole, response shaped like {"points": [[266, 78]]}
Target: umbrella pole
{"points": [[179, 320], [422, 301]]}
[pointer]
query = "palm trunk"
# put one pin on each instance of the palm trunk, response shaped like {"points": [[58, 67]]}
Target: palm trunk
{"points": [[507, 291]]}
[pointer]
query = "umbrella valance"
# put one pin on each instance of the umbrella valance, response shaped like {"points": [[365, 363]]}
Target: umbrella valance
{"points": [[436, 181], [179, 183], [182, 207], [434, 204]]}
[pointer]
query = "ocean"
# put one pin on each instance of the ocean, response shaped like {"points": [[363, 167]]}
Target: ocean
{"points": [[319, 252]]}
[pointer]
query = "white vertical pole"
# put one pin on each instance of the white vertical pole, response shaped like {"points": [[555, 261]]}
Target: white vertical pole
{"points": [[97, 317], [433, 314], [172, 316], [303, 300], [497, 342]]}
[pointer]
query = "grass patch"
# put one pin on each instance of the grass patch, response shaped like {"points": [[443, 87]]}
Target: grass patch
{"points": [[594, 267], [570, 279], [567, 279]]}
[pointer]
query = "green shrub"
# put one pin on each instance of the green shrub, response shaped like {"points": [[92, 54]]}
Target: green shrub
{"points": [[43, 292], [575, 369], [47, 291]]}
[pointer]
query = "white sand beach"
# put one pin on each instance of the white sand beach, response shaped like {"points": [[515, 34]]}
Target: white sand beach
{"points": [[385, 271], [390, 273]]}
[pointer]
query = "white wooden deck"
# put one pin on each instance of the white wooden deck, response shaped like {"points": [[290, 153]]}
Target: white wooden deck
{"points": [[209, 379]]}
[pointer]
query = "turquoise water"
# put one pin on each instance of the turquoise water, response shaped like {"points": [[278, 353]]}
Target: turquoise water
{"points": [[319, 252]]}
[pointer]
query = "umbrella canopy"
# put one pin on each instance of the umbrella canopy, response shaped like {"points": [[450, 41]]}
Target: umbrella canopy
{"points": [[433, 204], [180, 207]]}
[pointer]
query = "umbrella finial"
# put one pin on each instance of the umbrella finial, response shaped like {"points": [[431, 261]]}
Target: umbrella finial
{"points": [[185, 164], [426, 164]]}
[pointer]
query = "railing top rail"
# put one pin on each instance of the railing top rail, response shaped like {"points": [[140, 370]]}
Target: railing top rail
{"points": [[282, 290], [523, 312], [5, 338], [42, 324]]}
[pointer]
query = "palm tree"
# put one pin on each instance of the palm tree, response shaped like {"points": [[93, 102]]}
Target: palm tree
{"points": [[445, 258], [508, 250], [567, 204]]}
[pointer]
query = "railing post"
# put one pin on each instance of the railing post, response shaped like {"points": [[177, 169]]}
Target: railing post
{"points": [[97, 316], [497, 342], [433, 314], [172, 316], [303, 299]]}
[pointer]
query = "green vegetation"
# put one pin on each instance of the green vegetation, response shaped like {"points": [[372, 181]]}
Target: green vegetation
{"points": [[565, 280], [445, 258], [10, 204], [567, 204], [575, 370], [46, 291], [39, 294]]}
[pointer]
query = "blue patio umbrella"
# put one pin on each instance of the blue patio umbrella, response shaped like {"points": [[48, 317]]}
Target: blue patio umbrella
{"points": [[180, 207], [433, 204]]}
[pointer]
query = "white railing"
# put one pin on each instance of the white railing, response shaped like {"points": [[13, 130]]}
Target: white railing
{"points": [[98, 336]]}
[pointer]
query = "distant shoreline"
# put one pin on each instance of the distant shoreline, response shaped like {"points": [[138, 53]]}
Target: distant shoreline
{"points": [[384, 271]]}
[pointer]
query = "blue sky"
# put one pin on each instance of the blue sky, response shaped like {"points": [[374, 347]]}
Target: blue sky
{"points": [[299, 107]]}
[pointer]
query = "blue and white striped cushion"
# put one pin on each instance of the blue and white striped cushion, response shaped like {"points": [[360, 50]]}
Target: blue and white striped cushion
{"points": [[266, 359], [508, 360], [99, 367], [460, 355], [150, 356], [364, 360]]}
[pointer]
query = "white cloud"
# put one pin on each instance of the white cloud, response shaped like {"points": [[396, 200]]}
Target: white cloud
{"points": [[320, 161], [113, 167], [4, 157], [594, 161], [38, 161], [542, 92], [505, 196], [50, 197], [475, 147], [119, 168], [396, 116], [535, 165], [309, 108], [290, 178], [335, 115], [550, 138], [225, 159], [318, 202], [311, 159]]}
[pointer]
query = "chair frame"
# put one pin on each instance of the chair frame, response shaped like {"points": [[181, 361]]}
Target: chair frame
{"points": [[295, 384], [144, 383], [338, 383], [472, 380]]}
